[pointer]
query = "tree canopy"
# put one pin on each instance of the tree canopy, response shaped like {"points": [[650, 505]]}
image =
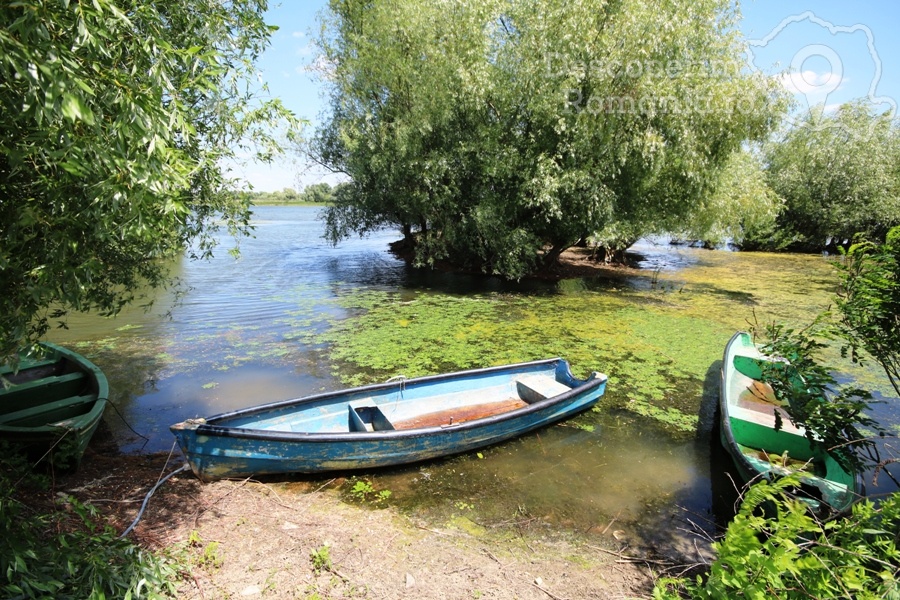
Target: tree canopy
{"points": [[117, 115], [496, 133], [838, 174]]}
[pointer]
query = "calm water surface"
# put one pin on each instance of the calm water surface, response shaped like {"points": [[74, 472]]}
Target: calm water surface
{"points": [[244, 332]]}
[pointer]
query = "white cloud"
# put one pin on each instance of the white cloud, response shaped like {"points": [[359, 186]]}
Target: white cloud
{"points": [[811, 82], [298, 34]]}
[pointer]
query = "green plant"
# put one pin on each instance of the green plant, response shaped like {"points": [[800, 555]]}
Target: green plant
{"points": [[361, 489], [66, 553], [483, 134], [869, 302], [834, 173], [120, 112], [364, 491], [794, 555], [321, 559], [831, 414], [208, 556]]}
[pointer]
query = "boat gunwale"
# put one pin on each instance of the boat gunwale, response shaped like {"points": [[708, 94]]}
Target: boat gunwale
{"points": [[209, 428]]}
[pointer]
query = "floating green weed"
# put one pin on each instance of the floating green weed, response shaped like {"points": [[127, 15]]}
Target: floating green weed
{"points": [[639, 343], [669, 416], [657, 339]]}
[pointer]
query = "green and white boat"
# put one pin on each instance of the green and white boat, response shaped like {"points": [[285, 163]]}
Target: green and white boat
{"points": [[51, 404], [747, 413]]}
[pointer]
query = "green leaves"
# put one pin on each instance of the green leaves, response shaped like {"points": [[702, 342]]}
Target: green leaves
{"points": [[832, 415], [837, 175], [869, 302], [793, 555], [117, 117], [75, 109], [50, 555], [499, 133]]}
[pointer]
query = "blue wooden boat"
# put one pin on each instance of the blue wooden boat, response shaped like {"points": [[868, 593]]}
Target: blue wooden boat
{"points": [[51, 403], [747, 416], [386, 424]]}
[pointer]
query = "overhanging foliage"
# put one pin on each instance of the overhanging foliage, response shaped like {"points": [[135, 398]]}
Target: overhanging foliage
{"points": [[117, 115]]}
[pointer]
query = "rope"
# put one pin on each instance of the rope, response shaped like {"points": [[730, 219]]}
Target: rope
{"points": [[398, 378], [127, 424], [183, 467]]}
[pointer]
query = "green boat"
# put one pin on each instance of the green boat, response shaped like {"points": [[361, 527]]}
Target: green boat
{"points": [[51, 403], [747, 413]]}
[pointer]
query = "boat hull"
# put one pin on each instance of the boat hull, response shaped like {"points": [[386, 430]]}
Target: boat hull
{"points": [[747, 432], [236, 444], [52, 404]]}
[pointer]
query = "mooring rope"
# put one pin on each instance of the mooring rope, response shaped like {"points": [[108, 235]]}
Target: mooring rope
{"points": [[401, 379], [159, 483]]}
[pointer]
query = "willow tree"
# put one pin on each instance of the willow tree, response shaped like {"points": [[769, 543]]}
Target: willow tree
{"points": [[839, 175], [497, 133], [117, 117]]}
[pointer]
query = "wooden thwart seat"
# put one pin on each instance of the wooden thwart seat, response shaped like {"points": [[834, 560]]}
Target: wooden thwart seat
{"points": [[51, 412], [29, 369], [757, 404], [54, 388], [534, 388], [365, 415]]}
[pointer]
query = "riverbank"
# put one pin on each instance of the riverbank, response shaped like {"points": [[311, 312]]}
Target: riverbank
{"points": [[251, 539]]}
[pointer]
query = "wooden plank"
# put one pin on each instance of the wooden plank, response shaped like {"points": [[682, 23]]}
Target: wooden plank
{"points": [[44, 414], [460, 414], [27, 366], [50, 389], [534, 388]]}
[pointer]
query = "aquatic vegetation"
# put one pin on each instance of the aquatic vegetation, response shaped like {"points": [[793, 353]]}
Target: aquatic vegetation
{"points": [[656, 333], [363, 491], [669, 416], [645, 347]]}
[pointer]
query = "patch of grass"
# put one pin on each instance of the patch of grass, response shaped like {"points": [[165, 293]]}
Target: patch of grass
{"points": [[321, 559], [206, 555]]}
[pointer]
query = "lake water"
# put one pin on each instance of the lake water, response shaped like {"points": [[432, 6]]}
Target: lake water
{"points": [[294, 315]]}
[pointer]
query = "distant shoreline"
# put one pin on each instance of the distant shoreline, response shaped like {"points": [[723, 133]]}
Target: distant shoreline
{"points": [[319, 204]]}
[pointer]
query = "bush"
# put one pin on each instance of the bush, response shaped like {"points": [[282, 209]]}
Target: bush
{"points": [[65, 553], [775, 548]]}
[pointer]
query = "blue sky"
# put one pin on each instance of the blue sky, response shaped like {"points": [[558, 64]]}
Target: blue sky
{"points": [[837, 51]]}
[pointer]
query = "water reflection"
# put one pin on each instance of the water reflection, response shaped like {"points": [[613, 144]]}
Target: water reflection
{"points": [[243, 333]]}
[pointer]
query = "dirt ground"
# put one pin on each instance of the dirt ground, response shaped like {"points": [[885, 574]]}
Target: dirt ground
{"points": [[252, 539]]}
